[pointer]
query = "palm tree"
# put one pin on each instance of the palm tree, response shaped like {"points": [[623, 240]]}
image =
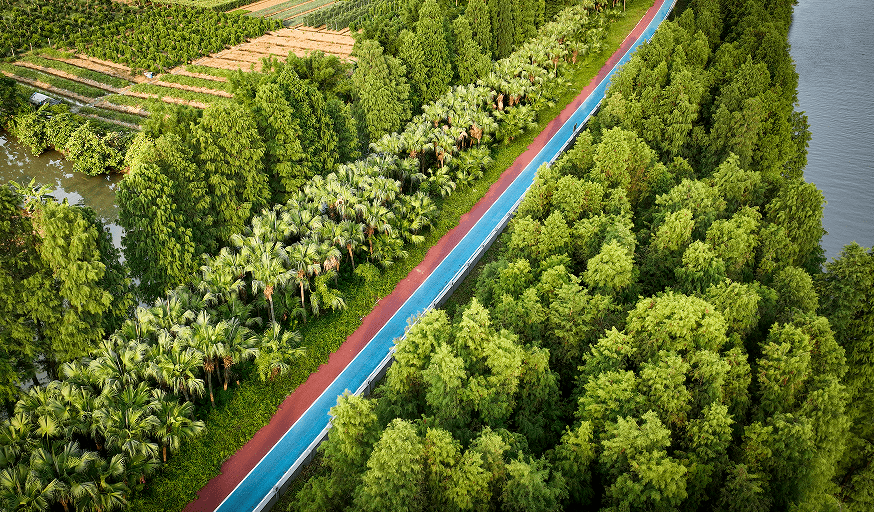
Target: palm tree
{"points": [[278, 349], [105, 492], [177, 368], [64, 463], [273, 225], [16, 438], [21, 490], [176, 422], [266, 261], [208, 339], [223, 275], [125, 420], [303, 259], [377, 218], [237, 347]]}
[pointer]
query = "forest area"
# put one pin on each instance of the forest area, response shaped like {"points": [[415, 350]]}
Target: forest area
{"points": [[657, 330]]}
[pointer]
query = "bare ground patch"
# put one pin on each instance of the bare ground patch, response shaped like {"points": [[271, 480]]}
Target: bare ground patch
{"points": [[299, 40]]}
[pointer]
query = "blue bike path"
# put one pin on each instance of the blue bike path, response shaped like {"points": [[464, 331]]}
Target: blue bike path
{"points": [[261, 485]]}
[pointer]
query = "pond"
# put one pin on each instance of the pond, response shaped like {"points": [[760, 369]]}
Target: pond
{"points": [[50, 169]]}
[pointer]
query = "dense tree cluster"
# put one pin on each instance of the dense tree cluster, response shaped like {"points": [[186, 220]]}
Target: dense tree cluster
{"points": [[656, 334], [180, 161], [660, 295], [122, 391], [63, 288], [91, 150], [185, 197]]}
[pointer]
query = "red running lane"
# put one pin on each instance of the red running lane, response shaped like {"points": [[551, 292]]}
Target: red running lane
{"points": [[235, 469]]}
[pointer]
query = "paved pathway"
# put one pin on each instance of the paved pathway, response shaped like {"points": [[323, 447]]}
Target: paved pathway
{"points": [[248, 479]]}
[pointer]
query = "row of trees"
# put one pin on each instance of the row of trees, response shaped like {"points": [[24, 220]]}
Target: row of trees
{"points": [[37, 23], [663, 304], [183, 197]]}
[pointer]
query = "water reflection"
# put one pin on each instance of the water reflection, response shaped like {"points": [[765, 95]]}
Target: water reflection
{"points": [[50, 169]]}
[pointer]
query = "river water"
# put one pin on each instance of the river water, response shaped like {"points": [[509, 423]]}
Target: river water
{"points": [[50, 169], [833, 48]]}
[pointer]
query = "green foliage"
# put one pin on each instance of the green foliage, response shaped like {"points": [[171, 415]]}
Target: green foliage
{"points": [[237, 188], [382, 89], [160, 241], [646, 476]]}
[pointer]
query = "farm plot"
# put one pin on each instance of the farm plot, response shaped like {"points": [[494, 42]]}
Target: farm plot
{"points": [[300, 41]]}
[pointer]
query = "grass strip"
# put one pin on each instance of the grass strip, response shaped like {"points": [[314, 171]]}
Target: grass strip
{"points": [[277, 7], [216, 5], [165, 92], [251, 405], [55, 81], [207, 70], [193, 81], [113, 114], [300, 9], [77, 71], [150, 104]]}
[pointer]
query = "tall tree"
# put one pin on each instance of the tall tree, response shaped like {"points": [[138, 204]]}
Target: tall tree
{"points": [[160, 242], [229, 151], [381, 89], [283, 155], [434, 75], [480, 21], [470, 61]]}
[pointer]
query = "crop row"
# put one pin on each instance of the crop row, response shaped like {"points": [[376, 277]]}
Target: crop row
{"points": [[148, 104], [76, 70], [348, 14], [193, 81], [112, 114], [164, 92], [55, 81], [207, 70], [273, 9], [215, 5], [145, 37]]}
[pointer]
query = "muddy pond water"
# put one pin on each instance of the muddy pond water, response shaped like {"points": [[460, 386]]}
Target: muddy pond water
{"points": [[50, 169]]}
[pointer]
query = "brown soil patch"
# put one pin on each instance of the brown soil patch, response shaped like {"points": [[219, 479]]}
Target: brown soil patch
{"points": [[205, 90], [300, 41], [68, 76]]}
